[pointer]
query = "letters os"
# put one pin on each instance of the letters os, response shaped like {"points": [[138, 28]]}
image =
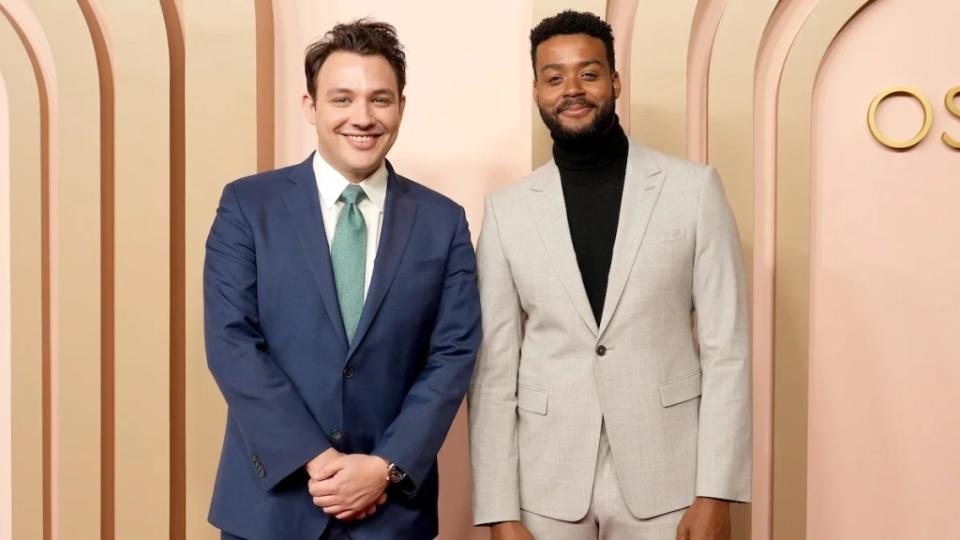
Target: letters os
{"points": [[949, 101]]}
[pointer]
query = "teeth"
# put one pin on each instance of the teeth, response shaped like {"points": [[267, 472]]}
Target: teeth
{"points": [[360, 138]]}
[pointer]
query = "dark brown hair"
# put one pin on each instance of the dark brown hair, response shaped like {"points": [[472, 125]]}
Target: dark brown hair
{"points": [[362, 36]]}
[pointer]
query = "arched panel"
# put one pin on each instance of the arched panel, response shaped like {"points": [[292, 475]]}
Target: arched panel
{"points": [[26, 298], [222, 138], [136, 37], [658, 74], [76, 274], [792, 263], [883, 297]]}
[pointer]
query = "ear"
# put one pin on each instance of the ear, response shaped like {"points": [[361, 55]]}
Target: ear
{"points": [[533, 87], [309, 108], [616, 84], [402, 103]]}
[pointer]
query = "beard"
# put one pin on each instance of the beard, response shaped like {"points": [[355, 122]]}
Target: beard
{"points": [[602, 120]]}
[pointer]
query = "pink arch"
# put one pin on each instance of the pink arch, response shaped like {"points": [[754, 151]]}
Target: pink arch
{"points": [[35, 42], [703, 34], [778, 36]]}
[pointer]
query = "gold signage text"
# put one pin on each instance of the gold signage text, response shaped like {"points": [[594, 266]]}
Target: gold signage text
{"points": [[950, 102]]}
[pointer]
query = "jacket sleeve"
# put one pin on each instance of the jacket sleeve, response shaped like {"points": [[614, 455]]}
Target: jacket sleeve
{"points": [[414, 438], [493, 391], [280, 433], [723, 332]]}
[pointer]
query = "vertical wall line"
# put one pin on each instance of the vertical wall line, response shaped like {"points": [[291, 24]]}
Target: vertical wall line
{"points": [[178, 352], [263, 14], [94, 23]]}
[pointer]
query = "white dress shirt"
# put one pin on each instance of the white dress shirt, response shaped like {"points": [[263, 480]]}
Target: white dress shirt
{"points": [[330, 184]]}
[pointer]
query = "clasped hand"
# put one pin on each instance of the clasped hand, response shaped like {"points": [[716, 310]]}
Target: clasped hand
{"points": [[348, 487]]}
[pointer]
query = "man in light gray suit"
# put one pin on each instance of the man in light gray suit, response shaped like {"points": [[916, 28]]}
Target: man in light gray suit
{"points": [[598, 409]]}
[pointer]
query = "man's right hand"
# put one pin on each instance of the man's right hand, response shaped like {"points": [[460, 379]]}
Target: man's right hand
{"points": [[510, 530]]}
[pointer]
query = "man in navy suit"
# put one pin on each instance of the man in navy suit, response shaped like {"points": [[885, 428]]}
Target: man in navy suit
{"points": [[342, 319]]}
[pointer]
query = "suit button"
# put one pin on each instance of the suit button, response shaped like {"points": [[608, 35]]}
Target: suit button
{"points": [[256, 459], [348, 372], [601, 350], [336, 435]]}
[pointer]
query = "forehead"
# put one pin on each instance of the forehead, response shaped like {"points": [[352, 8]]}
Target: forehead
{"points": [[349, 70], [571, 49]]}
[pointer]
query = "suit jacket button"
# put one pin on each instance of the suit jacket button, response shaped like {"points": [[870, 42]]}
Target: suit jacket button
{"points": [[348, 372], [261, 472], [256, 459], [601, 350], [336, 435]]}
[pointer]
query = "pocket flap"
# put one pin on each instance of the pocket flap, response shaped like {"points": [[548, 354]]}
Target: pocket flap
{"points": [[532, 400], [680, 389]]}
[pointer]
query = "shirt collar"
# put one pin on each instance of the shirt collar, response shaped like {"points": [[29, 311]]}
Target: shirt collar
{"points": [[331, 183]]}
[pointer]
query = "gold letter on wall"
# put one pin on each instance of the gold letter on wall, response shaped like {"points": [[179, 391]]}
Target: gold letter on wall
{"points": [[951, 102], [900, 91]]}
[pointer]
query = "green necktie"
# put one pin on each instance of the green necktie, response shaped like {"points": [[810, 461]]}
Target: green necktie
{"points": [[349, 254]]}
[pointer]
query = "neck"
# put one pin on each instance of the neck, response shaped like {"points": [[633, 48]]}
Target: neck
{"points": [[593, 151]]}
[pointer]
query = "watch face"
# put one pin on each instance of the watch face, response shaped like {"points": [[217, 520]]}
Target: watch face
{"points": [[396, 475]]}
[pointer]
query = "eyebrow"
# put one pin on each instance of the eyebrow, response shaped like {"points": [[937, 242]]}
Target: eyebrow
{"points": [[381, 91], [580, 65]]}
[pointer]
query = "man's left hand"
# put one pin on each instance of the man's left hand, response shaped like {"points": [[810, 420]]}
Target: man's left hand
{"points": [[350, 485], [706, 519]]}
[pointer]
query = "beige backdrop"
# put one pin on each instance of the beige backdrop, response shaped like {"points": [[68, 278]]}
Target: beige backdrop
{"points": [[120, 121]]}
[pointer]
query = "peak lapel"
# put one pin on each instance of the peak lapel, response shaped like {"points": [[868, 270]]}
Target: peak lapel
{"points": [[641, 189], [398, 216], [550, 214], [303, 201]]}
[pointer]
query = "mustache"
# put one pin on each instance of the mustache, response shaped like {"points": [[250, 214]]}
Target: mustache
{"points": [[575, 102]]}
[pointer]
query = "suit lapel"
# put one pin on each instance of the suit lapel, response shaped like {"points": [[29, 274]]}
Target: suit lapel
{"points": [[641, 189], [398, 216], [550, 215], [303, 201]]}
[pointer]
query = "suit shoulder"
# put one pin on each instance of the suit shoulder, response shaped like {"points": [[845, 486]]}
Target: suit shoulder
{"points": [[432, 198], [676, 167], [257, 184], [516, 191]]}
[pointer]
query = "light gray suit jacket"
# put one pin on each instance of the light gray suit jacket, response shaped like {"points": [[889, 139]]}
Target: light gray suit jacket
{"points": [[675, 397]]}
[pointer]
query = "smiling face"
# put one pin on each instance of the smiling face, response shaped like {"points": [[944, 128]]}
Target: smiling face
{"points": [[356, 112], [575, 89]]}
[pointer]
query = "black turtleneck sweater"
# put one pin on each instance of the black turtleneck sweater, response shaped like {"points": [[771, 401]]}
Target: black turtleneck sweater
{"points": [[592, 173]]}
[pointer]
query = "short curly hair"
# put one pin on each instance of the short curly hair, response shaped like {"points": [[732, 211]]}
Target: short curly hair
{"points": [[362, 36], [572, 22]]}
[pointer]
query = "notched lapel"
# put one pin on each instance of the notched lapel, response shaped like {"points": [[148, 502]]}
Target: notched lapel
{"points": [[303, 201], [399, 213], [550, 214], [642, 184]]}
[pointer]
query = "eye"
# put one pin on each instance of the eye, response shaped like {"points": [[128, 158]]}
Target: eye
{"points": [[589, 75], [341, 100], [381, 100], [554, 80]]}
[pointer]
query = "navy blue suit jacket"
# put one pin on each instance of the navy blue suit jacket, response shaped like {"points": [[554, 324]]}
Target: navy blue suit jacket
{"points": [[293, 385]]}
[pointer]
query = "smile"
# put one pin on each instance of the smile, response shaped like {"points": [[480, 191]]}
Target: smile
{"points": [[362, 142]]}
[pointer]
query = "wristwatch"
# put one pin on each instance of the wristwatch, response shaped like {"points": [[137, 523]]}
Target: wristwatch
{"points": [[394, 474]]}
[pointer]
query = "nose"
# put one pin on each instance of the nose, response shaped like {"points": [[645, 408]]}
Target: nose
{"points": [[360, 116], [572, 87]]}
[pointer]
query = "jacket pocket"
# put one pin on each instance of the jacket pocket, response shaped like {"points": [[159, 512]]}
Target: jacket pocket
{"points": [[680, 389], [531, 400]]}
